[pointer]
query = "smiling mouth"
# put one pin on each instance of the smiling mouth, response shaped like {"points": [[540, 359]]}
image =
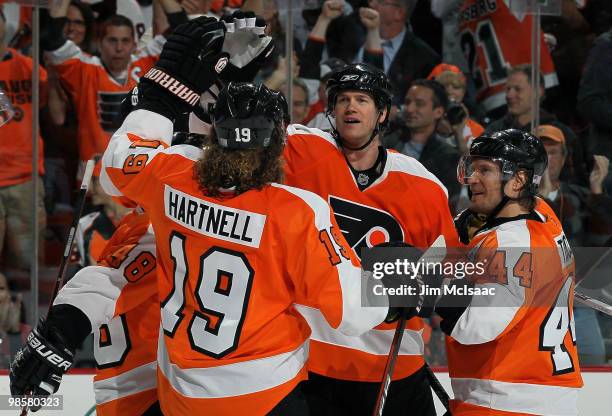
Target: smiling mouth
{"points": [[475, 194], [351, 121]]}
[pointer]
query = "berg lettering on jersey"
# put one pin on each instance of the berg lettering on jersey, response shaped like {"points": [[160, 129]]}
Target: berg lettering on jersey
{"points": [[478, 10], [494, 38], [229, 224]]}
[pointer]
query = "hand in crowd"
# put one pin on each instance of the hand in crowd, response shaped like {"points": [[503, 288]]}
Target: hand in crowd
{"points": [[332, 9], [192, 6], [545, 185], [598, 174], [279, 76], [10, 308], [369, 18]]}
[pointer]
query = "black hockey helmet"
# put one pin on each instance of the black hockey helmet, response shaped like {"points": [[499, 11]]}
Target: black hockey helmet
{"points": [[359, 77], [514, 150], [246, 115]]}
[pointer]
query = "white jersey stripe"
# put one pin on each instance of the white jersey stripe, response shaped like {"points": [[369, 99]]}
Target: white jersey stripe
{"points": [[375, 341], [232, 379], [126, 384], [537, 399]]}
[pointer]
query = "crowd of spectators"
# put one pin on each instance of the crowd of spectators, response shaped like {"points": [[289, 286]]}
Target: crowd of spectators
{"points": [[458, 68]]}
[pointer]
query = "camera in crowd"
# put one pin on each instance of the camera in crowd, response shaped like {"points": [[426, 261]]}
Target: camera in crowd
{"points": [[455, 113]]}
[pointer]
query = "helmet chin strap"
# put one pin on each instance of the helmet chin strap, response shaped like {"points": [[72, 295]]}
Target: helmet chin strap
{"points": [[505, 199], [339, 140]]}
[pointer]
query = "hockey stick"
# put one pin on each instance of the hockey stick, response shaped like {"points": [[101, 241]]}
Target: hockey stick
{"points": [[593, 303], [80, 204], [437, 387], [587, 300], [436, 252]]}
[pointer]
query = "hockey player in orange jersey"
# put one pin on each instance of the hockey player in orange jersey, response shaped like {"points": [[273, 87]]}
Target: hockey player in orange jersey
{"points": [[235, 250], [377, 196], [118, 300], [512, 352]]}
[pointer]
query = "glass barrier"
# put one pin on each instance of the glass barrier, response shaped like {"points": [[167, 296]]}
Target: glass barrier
{"points": [[489, 83]]}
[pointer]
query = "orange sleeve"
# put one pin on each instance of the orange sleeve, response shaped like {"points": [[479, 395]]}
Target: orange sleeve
{"points": [[323, 268]]}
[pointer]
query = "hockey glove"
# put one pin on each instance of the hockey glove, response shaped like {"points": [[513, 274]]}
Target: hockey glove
{"points": [[39, 365], [467, 223], [411, 300], [247, 45], [189, 64]]}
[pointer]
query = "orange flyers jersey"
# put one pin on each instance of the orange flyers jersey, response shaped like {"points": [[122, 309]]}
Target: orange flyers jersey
{"points": [[407, 203], [521, 339], [16, 135], [230, 269], [95, 94], [493, 39], [120, 298]]}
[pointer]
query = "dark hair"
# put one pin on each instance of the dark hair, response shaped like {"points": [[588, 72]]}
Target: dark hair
{"points": [[526, 69], [440, 96], [2, 15], [115, 20], [88, 18], [243, 169]]}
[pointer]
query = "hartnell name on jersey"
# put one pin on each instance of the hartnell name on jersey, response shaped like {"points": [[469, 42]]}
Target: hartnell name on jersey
{"points": [[217, 221]]}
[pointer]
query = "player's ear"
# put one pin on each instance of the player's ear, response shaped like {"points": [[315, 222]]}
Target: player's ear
{"points": [[519, 181], [382, 114]]}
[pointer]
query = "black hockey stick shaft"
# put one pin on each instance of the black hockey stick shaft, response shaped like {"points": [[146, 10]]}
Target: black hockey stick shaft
{"points": [[437, 387], [436, 252], [80, 204], [391, 359]]}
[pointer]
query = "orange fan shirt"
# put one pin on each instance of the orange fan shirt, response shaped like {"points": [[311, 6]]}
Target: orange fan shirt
{"points": [[95, 93], [407, 203], [16, 135], [230, 270], [493, 40], [521, 342]]}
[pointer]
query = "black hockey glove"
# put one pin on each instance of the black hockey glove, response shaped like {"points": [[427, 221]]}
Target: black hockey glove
{"points": [[411, 302], [247, 45], [467, 222], [189, 64], [39, 365]]}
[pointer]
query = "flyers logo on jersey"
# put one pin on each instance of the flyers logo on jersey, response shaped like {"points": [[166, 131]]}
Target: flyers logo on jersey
{"points": [[364, 226], [349, 78]]}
